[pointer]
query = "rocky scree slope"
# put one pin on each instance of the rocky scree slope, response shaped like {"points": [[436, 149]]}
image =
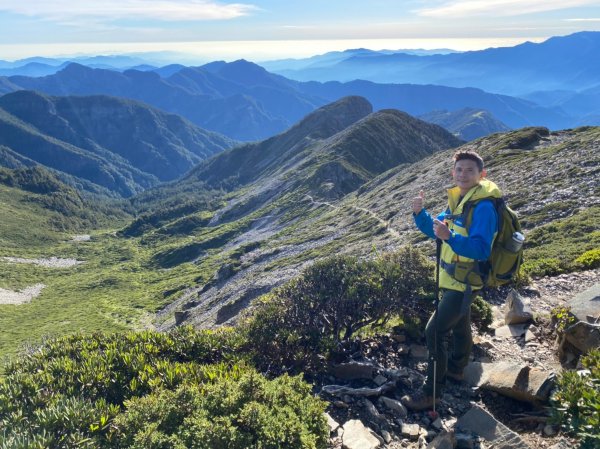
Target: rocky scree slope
{"points": [[280, 186], [548, 178]]}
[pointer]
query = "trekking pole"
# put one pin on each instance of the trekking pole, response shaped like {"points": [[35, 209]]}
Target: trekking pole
{"points": [[438, 256]]}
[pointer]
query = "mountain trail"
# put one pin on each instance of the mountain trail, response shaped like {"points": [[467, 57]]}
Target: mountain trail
{"points": [[385, 223]]}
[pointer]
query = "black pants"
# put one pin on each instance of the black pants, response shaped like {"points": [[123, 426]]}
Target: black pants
{"points": [[452, 321]]}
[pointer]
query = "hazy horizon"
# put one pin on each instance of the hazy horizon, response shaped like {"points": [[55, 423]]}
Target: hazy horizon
{"points": [[261, 30]]}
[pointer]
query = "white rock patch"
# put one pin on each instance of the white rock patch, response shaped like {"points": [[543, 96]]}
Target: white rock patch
{"points": [[51, 262], [82, 238], [22, 297]]}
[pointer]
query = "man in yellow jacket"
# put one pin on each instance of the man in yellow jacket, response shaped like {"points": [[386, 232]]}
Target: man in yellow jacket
{"points": [[466, 241]]}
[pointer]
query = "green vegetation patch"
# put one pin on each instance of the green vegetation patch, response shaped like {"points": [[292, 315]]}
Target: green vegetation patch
{"points": [[563, 246], [153, 390]]}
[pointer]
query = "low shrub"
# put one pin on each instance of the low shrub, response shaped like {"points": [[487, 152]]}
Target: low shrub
{"points": [[128, 390], [482, 315], [576, 401], [589, 260], [303, 321], [245, 412]]}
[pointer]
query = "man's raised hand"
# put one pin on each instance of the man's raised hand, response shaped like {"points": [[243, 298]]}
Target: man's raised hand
{"points": [[417, 204]]}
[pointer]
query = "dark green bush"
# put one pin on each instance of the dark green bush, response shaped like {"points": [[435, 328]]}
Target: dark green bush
{"points": [[299, 323], [576, 402], [245, 412], [76, 392]]}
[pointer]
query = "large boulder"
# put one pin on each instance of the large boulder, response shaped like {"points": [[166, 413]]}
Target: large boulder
{"points": [[511, 379], [586, 305], [584, 335], [480, 422]]}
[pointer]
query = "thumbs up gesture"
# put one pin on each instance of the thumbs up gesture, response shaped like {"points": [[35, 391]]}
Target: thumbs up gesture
{"points": [[417, 204]]}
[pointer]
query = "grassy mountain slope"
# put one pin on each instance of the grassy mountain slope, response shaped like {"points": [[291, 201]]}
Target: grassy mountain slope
{"points": [[467, 123], [217, 247], [119, 144]]}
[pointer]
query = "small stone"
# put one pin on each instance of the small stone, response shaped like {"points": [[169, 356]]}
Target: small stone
{"points": [[332, 423], [357, 436], [387, 437], [400, 338], [464, 441], [340, 404], [549, 430], [431, 434], [418, 352], [411, 431], [445, 440], [437, 424], [380, 380], [395, 406], [402, 350]]}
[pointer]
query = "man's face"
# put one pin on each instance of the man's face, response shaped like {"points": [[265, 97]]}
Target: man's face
{"points": [[466, 174]]}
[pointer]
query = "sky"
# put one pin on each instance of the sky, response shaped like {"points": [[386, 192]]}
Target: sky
{"points": [[272, 29]]}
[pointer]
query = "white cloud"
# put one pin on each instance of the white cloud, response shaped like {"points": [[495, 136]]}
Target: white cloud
{"points": [[468, 8], [165, 10], [590, 19]]}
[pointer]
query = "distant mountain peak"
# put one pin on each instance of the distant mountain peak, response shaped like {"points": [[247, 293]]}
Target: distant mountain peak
{"points": [[335, 117]]}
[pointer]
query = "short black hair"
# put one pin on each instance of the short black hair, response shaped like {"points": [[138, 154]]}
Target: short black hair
{"points": [[467, 154]]}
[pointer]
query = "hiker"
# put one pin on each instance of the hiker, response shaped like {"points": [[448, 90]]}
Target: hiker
{"points": [[453, 313]]}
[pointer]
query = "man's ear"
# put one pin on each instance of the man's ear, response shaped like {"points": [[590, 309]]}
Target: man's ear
{"points": [[483, 173]]}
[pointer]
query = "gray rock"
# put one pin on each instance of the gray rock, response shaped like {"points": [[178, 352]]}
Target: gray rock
{"points": [[400, 338], [387, 437], [332, 423], [581, 335], [342, 391], [418, 352], [550, 430], [353, 370], [395, 406], [357, 436], [511, 379], [411, 431], [518, 310], [380, 380], [485, 425], [373, 413], [512, 330], [465, 441], [562, 444], [586, 305], [444, 440], [437, 424]]}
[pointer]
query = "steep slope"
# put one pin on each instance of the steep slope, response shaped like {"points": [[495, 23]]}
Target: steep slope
{"points": [[547, 177], [467, 123], [122, 145], [277, 188]]}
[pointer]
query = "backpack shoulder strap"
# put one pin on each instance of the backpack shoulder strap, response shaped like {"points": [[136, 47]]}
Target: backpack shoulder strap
{"points": [[468, 207]]}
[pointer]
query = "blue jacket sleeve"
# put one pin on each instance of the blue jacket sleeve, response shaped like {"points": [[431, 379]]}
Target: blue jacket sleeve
{"points": [[478, 245], [424, 222]]}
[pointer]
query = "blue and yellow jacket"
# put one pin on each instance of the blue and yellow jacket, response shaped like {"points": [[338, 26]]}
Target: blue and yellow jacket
{"points": [[465, 246]]}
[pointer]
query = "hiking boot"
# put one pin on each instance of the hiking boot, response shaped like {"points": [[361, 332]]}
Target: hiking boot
{"points": [[457, 377], [418, 401]]}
